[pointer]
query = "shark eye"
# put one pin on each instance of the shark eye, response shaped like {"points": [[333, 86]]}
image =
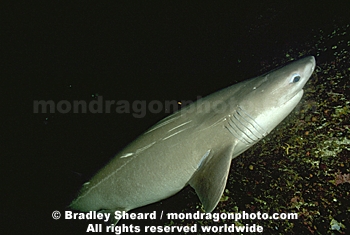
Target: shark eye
{"points": [[295, 78]]}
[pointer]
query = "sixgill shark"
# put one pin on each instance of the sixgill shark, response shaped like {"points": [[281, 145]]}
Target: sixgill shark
{"points": [[195, 145]]}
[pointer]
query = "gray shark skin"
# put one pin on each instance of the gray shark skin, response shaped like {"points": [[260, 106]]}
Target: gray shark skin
{"points": [[195, 145]]}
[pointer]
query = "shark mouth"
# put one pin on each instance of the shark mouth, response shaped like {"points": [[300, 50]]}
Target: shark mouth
{"points": [[294, 96]]}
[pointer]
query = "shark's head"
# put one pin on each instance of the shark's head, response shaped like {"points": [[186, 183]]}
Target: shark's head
{"points": [[268, 99]]}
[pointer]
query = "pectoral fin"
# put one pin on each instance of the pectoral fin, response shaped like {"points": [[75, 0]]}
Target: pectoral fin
{"points": [[209, 180]]}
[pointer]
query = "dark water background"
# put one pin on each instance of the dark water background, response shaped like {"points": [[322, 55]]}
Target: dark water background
{"points": [[123, 51]]}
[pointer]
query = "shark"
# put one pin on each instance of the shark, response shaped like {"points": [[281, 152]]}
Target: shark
{"points": [[195, 145]]}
